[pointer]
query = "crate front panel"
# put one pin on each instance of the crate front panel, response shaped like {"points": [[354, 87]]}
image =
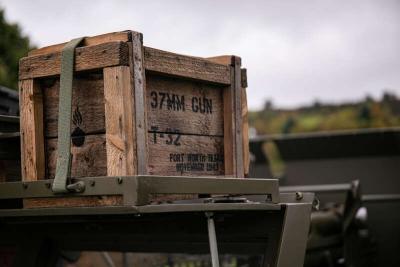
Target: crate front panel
{"points": [[185, 126]]}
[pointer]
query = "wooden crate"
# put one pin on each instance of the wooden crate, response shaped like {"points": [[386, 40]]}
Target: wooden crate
{"points": [[136, 110]]}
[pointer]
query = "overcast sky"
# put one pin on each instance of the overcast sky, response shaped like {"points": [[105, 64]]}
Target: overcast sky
{"points": [[295, 51]]}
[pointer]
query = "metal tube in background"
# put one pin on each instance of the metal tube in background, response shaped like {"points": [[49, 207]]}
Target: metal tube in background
{"points": [[107, 259], [125, 259], [212, 240]]}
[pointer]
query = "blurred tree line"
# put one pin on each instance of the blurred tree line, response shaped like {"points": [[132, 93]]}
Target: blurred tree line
{"points": [[368, 113], [13, 46]]}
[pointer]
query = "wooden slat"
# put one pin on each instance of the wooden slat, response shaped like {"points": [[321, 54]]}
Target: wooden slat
{"points": [[31, 127], [229, 128], [86, 58], [245, 131], [120, 122], [240, 107], [225, 59], [238, 117], [184, 106], [185, 66], [244, 77], [88, 41], [73, 202], [139, 82]]}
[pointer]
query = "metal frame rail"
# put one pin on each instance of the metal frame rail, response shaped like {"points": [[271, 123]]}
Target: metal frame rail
{"points": [[234, 195]]}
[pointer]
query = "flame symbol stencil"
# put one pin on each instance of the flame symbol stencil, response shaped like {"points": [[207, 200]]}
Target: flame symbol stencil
{"points": [[78, 135], [77, 117]]}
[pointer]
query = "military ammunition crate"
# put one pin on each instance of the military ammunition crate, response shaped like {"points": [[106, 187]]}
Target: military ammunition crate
{"points": [[135, 111]]}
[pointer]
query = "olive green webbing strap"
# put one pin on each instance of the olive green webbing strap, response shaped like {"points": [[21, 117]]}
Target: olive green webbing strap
{"points": [[64, 117]]}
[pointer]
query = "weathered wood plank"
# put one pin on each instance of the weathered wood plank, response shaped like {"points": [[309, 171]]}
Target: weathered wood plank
{"points": [[224, 59], [73, 202], [88, 160], [245, 127], [174, 154], [120, 122], [244, 77], [87, 104], [239, 82], [237, 88], [184, 106], [31, 128], [229, 129], [88, 41], [86, 58], [136, 58], [186, 66]]}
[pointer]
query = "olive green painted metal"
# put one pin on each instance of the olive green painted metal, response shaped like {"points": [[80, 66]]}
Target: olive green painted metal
{"points": [[134, 210], [292, 247], [257, 227], [136, 190], [245, 206], [255, 203]]}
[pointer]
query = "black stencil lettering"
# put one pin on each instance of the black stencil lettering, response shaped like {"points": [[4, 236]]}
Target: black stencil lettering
{"points": [[176, 142], [170, 102], [162, 99], [154, 129], [169, 140], [154, 103], [179, 103], [195, 105], [208, 105], [201, 105]]}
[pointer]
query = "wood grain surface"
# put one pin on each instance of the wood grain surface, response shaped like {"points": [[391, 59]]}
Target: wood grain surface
{"points": [[88, 160], [136, 63], [120, 122], [135, 110], [86, 58], [123, 36], [87, 104], [186, 66], [94, 201], [31, 130], [185, 106], [190, 155]]}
